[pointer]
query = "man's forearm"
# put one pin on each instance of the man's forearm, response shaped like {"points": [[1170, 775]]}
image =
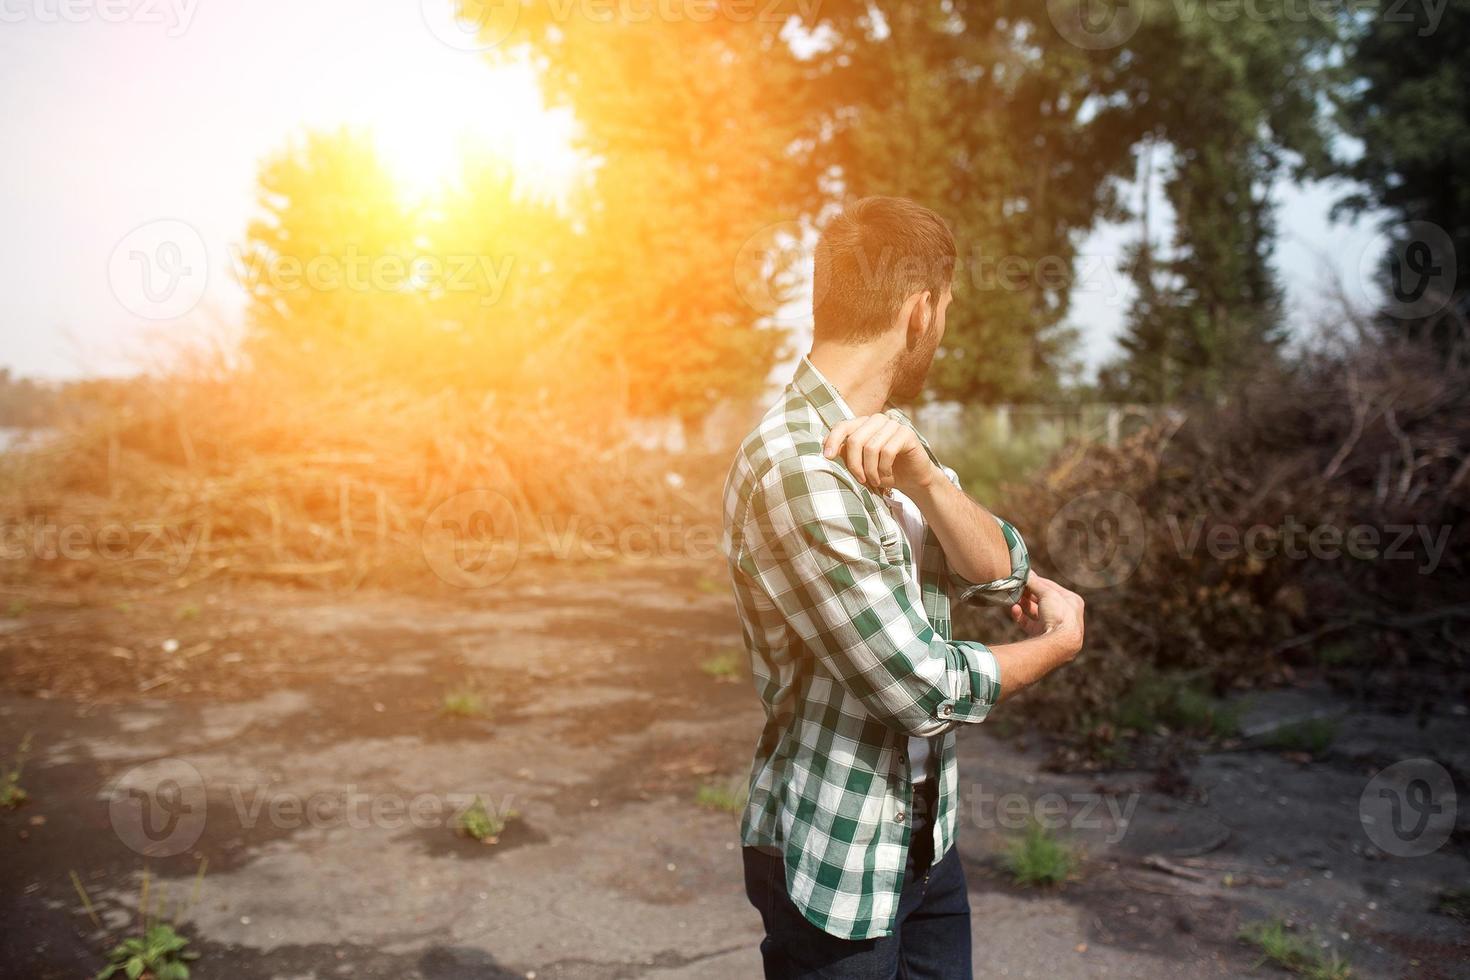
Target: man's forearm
{"points": [[972, 540], [1027, 661]]}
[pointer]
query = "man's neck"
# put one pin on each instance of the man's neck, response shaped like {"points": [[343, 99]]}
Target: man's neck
{"points": [[861, 375]]}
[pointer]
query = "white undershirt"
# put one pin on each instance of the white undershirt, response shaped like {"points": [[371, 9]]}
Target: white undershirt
{"points": [[907, 514]]}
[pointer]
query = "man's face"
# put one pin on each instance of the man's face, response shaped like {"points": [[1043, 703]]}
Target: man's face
{"points": [[914, 362]]}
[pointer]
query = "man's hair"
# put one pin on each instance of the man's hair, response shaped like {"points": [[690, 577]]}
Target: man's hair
{"points": [[870, 258]]}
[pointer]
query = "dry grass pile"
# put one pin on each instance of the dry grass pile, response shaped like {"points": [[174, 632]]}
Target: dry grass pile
{"points": [[176, 479], [1321, 518]]}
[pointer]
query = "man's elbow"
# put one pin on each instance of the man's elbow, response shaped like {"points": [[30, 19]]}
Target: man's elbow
{"points": [[913, 721]]}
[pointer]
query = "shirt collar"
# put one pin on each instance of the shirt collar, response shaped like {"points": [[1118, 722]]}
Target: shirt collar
{"points": [[815, 388], [812, 385]]}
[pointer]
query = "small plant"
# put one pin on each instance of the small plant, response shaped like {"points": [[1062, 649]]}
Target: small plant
{"points": [[726, 798], [1313, 735], [479, 823], [1037, 858], [723, 666], [1292, 952], [187, 612], [1176, 703], [463, 702], [1454, 902], [159, 954], [12, 794]]}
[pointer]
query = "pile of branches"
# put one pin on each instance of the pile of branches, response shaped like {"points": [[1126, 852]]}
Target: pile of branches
{"points": [[1320, 517], [330, 481]]}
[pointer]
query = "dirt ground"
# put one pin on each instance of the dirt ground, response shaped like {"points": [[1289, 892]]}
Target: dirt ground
{"points": [[296, 745]]}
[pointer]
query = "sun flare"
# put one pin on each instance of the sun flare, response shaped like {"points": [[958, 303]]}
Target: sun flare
{"points": [[428, 128]]}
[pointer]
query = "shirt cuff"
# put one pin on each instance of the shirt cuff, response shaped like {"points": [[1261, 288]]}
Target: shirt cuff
{"points": [[1003, 591], [983, 676]]}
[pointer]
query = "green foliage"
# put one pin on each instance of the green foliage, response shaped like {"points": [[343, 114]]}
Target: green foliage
{"points": [[160, 953], [1408, 110], [724, 797], [1314, 735], [1175, 702], [1292, 952], [1037, 858], [463, 702], [482, 824], [1228, 103], [724, 666], [12, 794], [1454, 902], [987, 458], [458, 293]]}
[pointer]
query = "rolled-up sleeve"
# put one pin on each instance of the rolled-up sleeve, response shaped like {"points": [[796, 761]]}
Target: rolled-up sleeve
{"points": [[859, 611], [1003, 591]]}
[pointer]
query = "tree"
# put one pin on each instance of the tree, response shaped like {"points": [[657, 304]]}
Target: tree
{"points": [[1232, 106], [456, 292], [1409, 107], [688, 122]]}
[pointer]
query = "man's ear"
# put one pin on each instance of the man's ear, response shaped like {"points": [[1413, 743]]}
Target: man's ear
{"points": [[920, 316]]}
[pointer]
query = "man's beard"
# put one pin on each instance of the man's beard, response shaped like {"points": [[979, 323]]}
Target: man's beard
{"points": [[912, 368]]}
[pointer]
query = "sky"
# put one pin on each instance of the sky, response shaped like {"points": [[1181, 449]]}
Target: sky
{"points": [[137, 135]]}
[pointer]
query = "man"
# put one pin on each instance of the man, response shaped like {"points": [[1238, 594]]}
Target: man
{"points": [[846, 540]]}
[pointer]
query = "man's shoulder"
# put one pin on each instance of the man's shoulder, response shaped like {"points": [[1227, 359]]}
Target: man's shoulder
{"points": [[786, 443]]}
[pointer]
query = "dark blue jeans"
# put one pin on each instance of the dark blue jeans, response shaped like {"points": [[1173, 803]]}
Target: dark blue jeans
{"points": [[931, 939]]}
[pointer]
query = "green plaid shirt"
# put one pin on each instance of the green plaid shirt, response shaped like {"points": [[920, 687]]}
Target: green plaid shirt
{"points": [[851, 653]]}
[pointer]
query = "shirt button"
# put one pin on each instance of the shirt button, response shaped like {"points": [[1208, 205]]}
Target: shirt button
{"points": [[898, 817], [947, 710]]}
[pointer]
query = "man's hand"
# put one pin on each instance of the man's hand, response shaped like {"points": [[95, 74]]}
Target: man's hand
{"points": [[883, 453], [1047, 608]]}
